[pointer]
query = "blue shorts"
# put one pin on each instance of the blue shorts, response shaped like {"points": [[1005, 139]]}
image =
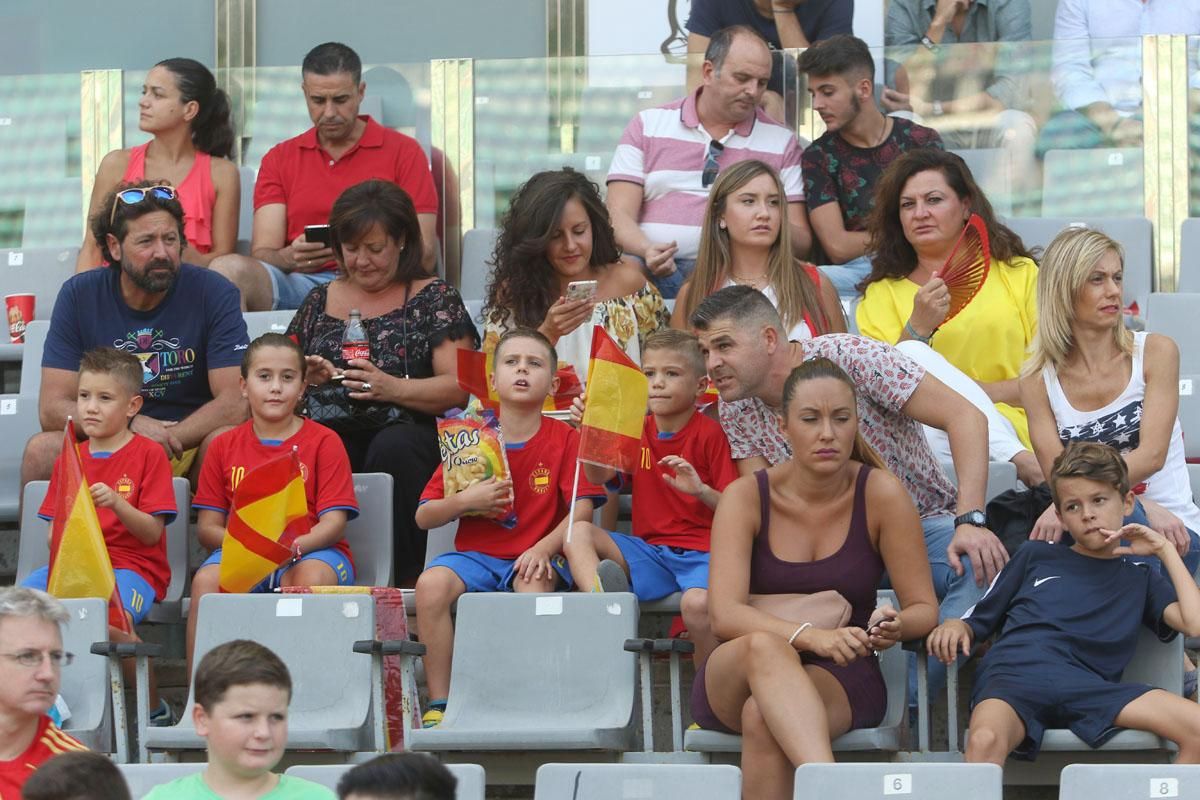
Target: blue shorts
{"points": [[1056, 696], [136, 593], [336, 560], [657, 570], [288, 289], [484, 573]]}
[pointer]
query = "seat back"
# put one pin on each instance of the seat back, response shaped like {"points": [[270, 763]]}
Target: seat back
{"points": [[1194, 476], [39, 271], [440, 540], [31, 360], [471, 781], [1099, 182], [85, 684], [1156, 663], [260, 322], [605, 781], [1002, 476], [18, 422], [1189, 413], [1128, 781], [141, 778], [476, 252], [1189, 256], [246, 178], [370, 533], [925, 781], [1173, 314], [538, 661]]}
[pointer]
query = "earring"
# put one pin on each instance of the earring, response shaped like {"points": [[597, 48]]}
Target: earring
{"points": [[721, 224]]}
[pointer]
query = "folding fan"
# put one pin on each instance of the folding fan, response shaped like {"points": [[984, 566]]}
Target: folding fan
{"points": [[967, 266]]}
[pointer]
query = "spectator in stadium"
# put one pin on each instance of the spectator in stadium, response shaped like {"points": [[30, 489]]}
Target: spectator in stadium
{"points": [[742, 243], [30, 673], [242, 691], [669, 156], [1097, 70], [384, 407], [300, 178], [783, 24], [1068, 621], [492, 551], [398, 776], [1090, 378], [803, 527], [181, 321], [78, 775], [557, 232], [921, 204], [842, 167], [193, 140]]}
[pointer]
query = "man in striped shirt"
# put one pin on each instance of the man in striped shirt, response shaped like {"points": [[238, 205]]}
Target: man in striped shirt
{"points": [[669, 156], [31, 661]]}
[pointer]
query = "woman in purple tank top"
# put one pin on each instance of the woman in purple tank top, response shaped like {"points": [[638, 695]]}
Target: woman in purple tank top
{"points": [[802, 527]]}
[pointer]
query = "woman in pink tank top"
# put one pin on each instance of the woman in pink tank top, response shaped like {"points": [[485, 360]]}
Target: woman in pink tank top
{"points": [[193, 138]]}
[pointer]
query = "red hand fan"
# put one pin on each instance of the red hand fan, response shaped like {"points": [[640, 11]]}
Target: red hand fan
{"points": [[967, 267]]}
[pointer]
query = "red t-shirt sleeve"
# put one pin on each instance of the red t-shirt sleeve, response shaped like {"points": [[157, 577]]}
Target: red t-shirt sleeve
{"points": [[335, 481], [157, 495], [435, 489], [211, 492], [268, 188], [47, 509], [722, 470], [414, 177]]}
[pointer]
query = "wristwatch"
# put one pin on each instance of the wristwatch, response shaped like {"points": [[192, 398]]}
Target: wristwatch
{"points": [[974, 517], [930, 44]]}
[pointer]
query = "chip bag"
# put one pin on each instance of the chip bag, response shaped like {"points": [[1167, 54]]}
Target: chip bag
{"points": [[472, 449]]}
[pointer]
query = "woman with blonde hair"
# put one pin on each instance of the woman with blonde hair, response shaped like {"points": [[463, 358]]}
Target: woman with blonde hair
{"points": [[1090, 378], [744, 241]]}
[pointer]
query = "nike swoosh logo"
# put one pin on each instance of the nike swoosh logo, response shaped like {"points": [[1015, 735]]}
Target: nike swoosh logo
{"points": [[1038, 582]]}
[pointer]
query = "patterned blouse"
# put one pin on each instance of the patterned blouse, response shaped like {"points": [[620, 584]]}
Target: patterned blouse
{"points": [[886, 379], [402, 340], [629, 320]]}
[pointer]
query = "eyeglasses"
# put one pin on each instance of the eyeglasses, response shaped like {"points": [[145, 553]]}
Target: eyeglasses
{"points": [[131, 197], [33, 658], [711, 167]]}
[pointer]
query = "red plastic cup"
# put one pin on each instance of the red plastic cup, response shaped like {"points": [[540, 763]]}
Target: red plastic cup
{"points": [[19, 309]]}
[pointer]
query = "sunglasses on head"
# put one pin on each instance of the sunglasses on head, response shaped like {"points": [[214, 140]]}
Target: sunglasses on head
{"points": [[711, 167], [131, 197]]}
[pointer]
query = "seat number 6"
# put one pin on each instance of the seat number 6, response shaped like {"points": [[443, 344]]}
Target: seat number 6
{"points": [[901, 783]]}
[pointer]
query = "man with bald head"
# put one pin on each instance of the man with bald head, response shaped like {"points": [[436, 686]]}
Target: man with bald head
{"points": [[669, 156]]}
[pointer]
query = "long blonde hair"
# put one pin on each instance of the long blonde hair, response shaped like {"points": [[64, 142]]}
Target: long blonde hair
{"points": [[795, 290], [1066, 265]]}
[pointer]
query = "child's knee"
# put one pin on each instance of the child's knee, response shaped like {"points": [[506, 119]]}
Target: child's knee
{"points": [[206, 580], [583, 540], [985, 743], [312, 572], [437, 589], [693, 607]]}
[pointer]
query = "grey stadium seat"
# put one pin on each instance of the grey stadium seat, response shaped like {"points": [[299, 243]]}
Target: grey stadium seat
{"points": [[1100, 182], [141, 778], [909, 780], [19, 417], [85, 684], [40, 271], [1128, 781], [1189, 256], [471, 785], [260, 322], [1174, 314], [476, 252], [1002, 476], [370, 533], [605, 781], [1189, 413], [539, 672]]}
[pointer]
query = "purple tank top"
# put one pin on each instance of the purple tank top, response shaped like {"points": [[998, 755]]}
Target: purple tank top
{"points": [[854, 570]]}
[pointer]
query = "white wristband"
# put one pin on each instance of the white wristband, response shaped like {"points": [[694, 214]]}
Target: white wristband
{"points": [[798, 631]]}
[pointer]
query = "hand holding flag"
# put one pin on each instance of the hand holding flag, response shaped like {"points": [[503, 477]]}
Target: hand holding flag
{"points": [[260, 530]]}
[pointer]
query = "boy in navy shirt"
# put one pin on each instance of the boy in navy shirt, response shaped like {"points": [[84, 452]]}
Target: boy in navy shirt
{"points": [[1068, 621]]}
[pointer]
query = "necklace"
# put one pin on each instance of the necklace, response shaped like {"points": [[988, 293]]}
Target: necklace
{"points": [[751, 281]]}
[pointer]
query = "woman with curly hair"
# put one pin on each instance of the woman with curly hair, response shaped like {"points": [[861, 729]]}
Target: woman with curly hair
{"points": [[557, 232]]}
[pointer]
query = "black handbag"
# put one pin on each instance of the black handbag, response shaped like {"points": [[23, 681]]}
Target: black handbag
{"points": [[330, 406], [1012, 514]]}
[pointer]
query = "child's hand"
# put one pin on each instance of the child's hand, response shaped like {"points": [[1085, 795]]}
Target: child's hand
{"points": [[1049, 527], [884, 629], [318, 370], [685, 480], [947, 639], [103, 495], [577, 407], [1142, 540], [532, 565], [488, 497]]}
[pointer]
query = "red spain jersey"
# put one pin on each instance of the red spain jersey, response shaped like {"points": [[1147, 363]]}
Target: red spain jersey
{"points": [[324, 465], [48, 742], [543, 470], [140, 473], [662, 515]]}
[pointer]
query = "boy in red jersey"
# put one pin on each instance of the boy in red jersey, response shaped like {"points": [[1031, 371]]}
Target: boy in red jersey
{"points": [[130, 484], [684, 467], [490, 558], [273, 382]]}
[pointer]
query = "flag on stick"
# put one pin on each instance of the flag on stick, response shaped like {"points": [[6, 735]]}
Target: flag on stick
{"points": [[474, 366], [79, 563], [617, 392], [259, 531]]}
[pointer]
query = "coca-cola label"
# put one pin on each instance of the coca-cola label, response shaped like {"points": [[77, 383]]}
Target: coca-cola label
{"points": [[352, 350]]}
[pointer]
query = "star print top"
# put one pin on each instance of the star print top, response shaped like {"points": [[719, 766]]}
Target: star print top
{"points": [[1118, 425]]}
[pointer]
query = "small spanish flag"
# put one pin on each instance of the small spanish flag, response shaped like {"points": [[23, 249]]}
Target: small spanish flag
{"points": [[474, 367], [611, 433], [260, 530], [79, 563]]}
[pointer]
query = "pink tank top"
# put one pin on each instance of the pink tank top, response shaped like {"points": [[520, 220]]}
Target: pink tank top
{"points": [[196, 194]]}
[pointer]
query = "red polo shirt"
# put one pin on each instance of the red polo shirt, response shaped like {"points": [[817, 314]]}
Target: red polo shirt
{"points": [[301, 175]]}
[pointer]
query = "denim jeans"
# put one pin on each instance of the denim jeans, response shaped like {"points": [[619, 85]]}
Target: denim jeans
{"points": [[846, 277], [669, 285]]}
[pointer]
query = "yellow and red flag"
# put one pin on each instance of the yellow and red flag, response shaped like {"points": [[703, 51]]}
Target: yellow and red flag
{"points": [[260, 530], [79, 563], [474, 367], [617, 390]]}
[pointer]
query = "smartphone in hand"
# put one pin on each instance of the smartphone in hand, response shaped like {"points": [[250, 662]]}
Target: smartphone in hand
{"points": [[581, 290], [318, 234]]}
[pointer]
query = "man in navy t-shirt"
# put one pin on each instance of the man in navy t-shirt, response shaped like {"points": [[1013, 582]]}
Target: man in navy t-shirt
{"points": [[182, 322]]}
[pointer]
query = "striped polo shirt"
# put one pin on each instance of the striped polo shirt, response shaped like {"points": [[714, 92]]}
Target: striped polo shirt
{"points": [[663, 150]]}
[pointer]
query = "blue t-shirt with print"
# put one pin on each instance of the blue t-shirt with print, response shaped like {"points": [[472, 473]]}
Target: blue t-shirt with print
{"points": [[198, 326]]}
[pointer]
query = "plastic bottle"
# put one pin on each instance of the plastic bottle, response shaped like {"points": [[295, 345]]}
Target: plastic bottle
{"points": [[354, 341]]}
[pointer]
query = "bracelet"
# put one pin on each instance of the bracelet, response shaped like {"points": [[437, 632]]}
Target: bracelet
{"points": [[799, 631], [912, 333]]}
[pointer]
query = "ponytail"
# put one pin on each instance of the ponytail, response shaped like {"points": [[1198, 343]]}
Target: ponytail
{"points": [[212, 127]]}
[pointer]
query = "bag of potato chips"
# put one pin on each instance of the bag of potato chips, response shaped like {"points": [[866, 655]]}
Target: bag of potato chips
{"points": [[472, 450]]}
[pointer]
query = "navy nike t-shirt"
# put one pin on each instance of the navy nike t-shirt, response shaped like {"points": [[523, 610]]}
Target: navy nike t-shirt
{"points": [[1053, 605], [197, 327]]}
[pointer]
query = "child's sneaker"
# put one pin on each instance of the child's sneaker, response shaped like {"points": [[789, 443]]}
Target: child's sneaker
{"points": [[610, 577], [434, 714], [163, 716]]}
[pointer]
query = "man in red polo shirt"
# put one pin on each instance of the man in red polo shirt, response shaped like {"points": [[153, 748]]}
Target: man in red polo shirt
{"points": [[299, 180]]}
